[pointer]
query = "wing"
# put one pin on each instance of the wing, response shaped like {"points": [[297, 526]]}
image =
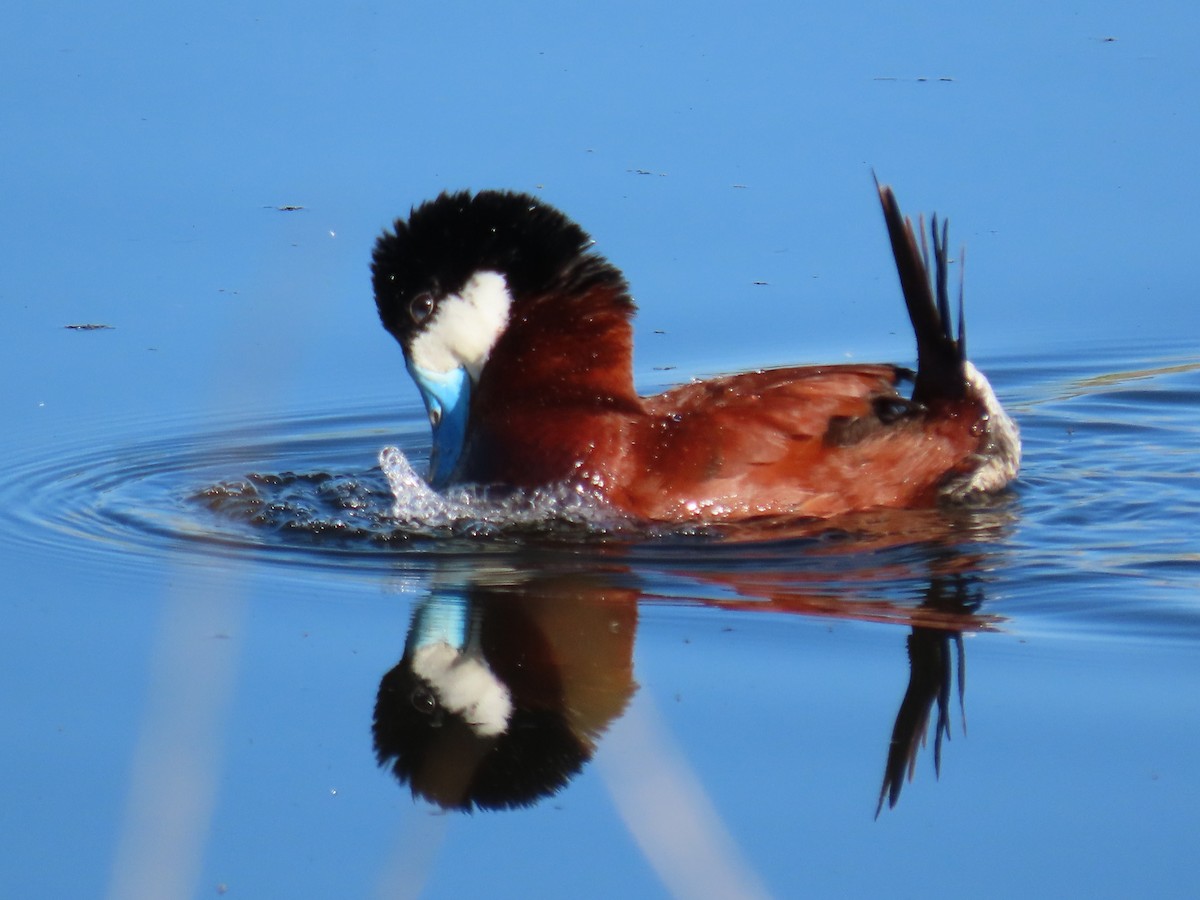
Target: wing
{"points": [[814, 440]]}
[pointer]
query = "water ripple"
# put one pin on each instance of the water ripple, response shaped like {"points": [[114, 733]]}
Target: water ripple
{"points": [[1102, 531]]}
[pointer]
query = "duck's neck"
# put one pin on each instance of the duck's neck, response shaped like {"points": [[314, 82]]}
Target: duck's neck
{"points": [[557, 352], [556, 391]]}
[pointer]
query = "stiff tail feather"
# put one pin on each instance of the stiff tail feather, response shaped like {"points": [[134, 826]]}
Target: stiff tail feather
{"points": [[941, 354], [944, 374]]}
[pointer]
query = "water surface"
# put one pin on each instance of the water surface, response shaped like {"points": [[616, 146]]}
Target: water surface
{"points": [[205, 601], [214, 613]]}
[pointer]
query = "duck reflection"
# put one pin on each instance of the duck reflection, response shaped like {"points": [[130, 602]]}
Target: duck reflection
{"points": [[510, 678], [953, 599], [503, 691]]}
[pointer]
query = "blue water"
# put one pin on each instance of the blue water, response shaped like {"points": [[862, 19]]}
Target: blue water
{"points": [[204, 589], [199, 621]]}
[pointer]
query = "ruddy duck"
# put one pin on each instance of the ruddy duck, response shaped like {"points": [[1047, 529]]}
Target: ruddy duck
{"points": [[519, 338]]}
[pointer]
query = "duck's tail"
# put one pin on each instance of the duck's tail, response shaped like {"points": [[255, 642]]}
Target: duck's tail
{"points": [[944, 375], [941, 353]]}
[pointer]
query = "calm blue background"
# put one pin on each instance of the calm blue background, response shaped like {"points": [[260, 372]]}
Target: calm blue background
{"points": [[145, 148], [144, 152]]}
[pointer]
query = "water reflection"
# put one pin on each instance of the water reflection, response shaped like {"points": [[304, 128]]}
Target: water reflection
{"points": [[512, 671], [503, 691], [956, 597]]}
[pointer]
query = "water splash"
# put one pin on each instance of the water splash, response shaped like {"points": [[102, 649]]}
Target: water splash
{"points": [[474, 510]]}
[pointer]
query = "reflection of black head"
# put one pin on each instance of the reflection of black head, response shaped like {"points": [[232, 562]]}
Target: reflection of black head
{"points": [[547, 739], [449, 764]]}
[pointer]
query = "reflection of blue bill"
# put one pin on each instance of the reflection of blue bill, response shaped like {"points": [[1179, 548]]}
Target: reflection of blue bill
{"points": [[443, 618]]}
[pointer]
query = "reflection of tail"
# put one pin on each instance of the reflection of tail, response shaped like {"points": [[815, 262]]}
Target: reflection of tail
{"points": [[929, 681], [929, 660], [941, 356]]}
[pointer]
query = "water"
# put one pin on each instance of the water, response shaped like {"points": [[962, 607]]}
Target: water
{"points": [[205, 590], [207, 616]]}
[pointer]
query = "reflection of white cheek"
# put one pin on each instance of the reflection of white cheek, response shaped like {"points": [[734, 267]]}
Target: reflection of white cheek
{"points": [[466, 687], [476, 693]]}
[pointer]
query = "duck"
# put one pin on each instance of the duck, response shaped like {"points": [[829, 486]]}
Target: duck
{"points": [[519, 337]]}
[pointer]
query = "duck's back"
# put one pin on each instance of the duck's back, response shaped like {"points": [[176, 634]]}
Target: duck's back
{"points": [[817, 440]]}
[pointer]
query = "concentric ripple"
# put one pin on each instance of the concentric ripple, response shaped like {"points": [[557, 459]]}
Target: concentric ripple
{"points": [[263, 487], [308, 491], [316, 494]]}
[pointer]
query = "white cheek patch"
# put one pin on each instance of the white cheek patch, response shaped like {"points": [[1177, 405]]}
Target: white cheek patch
{"points": [[465, 686], [465, 327]]}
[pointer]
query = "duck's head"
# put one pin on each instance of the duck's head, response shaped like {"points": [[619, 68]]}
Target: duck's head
{"points": [[472, 279]]}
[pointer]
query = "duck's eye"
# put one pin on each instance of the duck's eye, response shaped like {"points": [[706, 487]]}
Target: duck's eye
{"points": [[422, 700], [420, 308]]}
